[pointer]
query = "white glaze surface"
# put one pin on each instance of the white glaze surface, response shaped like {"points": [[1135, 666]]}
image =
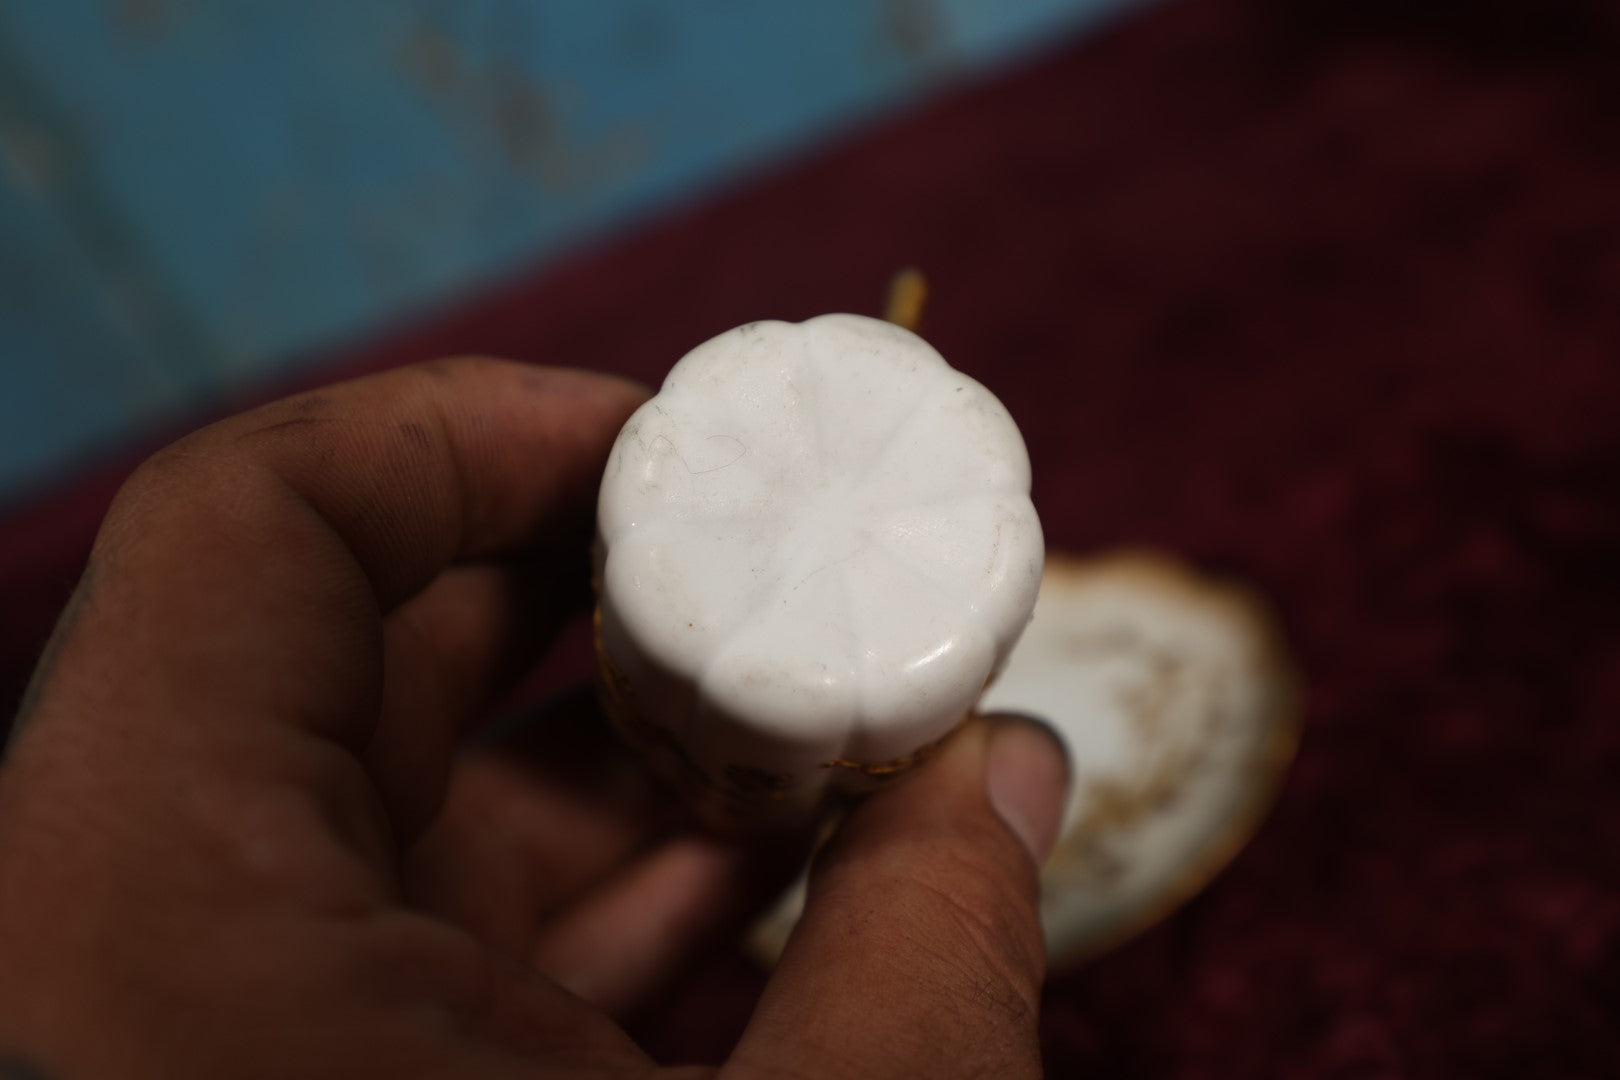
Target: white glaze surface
{"points": [[817, 544]]}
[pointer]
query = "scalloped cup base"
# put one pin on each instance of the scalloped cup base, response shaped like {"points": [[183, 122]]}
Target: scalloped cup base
{"points": [[814, 546]]}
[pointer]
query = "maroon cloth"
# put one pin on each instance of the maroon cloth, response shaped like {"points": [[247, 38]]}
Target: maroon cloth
{"points": [[1323, 295]]}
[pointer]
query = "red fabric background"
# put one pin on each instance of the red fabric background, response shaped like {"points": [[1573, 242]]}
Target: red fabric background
{"points": [[1323, 295]]}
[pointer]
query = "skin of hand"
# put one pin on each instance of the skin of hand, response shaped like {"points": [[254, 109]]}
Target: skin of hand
{"points": [[242, 834]]}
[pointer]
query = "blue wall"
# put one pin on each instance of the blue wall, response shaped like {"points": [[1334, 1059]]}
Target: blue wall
{"points": [[196, 192]]}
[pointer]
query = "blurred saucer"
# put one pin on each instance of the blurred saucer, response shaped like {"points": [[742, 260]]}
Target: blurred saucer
{"points": [[1175, 698]]}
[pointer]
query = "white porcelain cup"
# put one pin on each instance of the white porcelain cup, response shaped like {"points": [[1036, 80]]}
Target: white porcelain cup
{"points": [[815, 547]]}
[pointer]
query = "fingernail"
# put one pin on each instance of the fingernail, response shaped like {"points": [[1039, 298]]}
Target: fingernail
{"points": [[1027, 780]]}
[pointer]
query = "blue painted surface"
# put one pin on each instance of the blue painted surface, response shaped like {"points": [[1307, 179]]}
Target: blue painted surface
{"points": [[193, 193]]}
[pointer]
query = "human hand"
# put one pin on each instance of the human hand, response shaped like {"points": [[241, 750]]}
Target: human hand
{"points": [[237, 839]]}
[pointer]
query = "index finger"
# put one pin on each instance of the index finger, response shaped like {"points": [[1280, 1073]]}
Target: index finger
{"points": [[243, 573]]}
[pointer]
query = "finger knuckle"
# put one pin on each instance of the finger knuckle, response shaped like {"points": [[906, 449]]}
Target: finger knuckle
{"points": [[965, 914], [457, 366], [989, 926]]}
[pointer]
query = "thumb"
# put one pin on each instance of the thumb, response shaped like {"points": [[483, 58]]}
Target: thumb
{"points": [[920, 949]]}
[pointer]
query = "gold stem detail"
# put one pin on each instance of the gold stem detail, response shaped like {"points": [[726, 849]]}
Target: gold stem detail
{"points": [[908, 292]]}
